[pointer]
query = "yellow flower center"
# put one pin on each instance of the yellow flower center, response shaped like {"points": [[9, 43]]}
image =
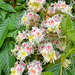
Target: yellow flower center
{"points": [[49, 55], [35, 4], [57, 26], [13, 71], [49, 29], [69, 9], [18, 39], [23, 53], [48, 60], [18, 57], [24, 19], [30, 37], [30, 2], [52, 53]]}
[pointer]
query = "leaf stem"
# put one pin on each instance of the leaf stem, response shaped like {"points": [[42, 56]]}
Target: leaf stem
{"points": [[61, 67], [68, 53], [26, 61]]}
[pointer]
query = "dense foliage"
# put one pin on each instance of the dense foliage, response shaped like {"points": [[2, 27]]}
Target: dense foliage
{"points": [[11, 12]]}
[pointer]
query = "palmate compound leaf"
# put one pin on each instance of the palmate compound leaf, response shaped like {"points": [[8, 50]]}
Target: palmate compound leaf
{"points": [[15, 32], [3, 14], [7, 7], [10, 27], [55, 69], [14, 24], [3, 31], [7, 60], [68, 27]]}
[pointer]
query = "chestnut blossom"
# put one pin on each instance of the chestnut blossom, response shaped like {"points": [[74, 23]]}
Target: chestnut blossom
{"points": [[23, 51], [36, 35], [66, 63], [18, 68], [47, 52], [30, 19], [34, 68], [21, 36], [36, 5], [60, 6], [58, 43], [45, 38], [52, 24]]}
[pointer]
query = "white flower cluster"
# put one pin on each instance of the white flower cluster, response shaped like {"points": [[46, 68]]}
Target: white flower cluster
{"points": [[58, 43], [66, 63], [47, 52], [18, 68], [52, 24], [60, 6], [34, 68], [23, 51], [30, 19], [36, 5], [36, 35], [43, 39], [21, 36]]}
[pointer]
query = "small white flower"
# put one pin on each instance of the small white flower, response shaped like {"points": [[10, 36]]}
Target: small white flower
{"points": [[34, 68], [36, 35], [36, 5], [60, 6], [52, 24], [66, 63], [30, 19], [18, 68], [21, 36], [24, 50], [58, 43], [47, 52]]}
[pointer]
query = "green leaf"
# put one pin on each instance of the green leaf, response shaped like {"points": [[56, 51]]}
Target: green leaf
{"points": [[63, 23], [68, 27], [12, 33], [3, 31], [71, 70], [3, 14], [6, 58], [15, 32], [0, 70], [55, 69], [74, 7], [14, 21], [7, 7], [12, 24], [21, 1], [48, 1], [1, 20], [48, 73], [73, 19]]}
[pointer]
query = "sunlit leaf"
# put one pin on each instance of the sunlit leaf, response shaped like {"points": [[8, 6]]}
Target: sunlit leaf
{"points": [[7, 60], [7, 7]]}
